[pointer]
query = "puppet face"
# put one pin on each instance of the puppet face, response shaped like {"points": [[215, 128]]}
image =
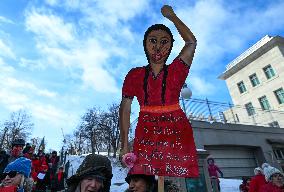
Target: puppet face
{"points": [[158, 44]]}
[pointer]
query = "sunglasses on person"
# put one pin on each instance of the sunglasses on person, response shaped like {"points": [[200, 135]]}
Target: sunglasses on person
{"points": [[11, 174]]}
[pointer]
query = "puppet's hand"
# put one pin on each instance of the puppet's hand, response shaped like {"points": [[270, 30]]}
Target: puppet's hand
{"points": [[129, 159], [168, 12]]}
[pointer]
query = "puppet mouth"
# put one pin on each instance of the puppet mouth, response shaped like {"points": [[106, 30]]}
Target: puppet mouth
{"points": [[157, 56]]}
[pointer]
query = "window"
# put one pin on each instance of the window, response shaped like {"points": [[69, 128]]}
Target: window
{"points": [[254, 80], [279, 93], [279, 153], [269, 72], [242, 87], [250, 109], [237, 118], [264, 103]]}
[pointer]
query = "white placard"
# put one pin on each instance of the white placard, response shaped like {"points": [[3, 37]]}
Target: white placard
{"points": [[41, 176]]}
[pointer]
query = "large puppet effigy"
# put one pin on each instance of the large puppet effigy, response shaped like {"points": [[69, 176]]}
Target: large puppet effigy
{"points": [[163, 143]]}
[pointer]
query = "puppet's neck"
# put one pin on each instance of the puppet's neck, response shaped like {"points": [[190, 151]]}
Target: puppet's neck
{"points": [[156, 68]]}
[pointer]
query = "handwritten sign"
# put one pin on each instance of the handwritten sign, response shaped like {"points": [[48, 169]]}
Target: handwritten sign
{"points": [[164, 146]]}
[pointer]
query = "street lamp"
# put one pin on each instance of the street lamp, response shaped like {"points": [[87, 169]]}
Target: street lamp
{"points": [[185, 94]]}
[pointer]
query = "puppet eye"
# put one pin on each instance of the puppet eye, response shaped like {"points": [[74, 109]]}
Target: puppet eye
{"points": [[153, 40], [163, 42]]}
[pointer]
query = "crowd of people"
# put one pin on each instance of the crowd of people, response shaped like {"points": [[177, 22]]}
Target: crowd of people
{"points": [[157, 87], [24, 169], [266, 179]]}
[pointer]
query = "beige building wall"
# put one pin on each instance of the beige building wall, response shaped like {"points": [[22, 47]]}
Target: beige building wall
{"points": [[270, 53]]}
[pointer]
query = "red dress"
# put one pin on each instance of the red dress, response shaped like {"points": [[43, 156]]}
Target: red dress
{"points": [[163, 142]]}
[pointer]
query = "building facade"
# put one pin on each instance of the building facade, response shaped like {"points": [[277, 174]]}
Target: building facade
{"points": [[255, 81], [238, 149]]}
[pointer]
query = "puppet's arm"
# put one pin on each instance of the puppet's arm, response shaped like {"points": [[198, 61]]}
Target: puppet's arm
{"points": [[124, 124], [187, 52]]}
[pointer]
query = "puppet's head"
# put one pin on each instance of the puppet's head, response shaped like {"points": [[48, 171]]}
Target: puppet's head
{"points": [[158, 43]]}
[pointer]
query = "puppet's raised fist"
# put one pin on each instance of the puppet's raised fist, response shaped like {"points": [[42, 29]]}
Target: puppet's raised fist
{"points": [[168, 12]]}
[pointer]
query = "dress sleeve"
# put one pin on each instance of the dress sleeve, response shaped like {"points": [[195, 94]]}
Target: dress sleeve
{"points": [[128, 89], [180, 70]]}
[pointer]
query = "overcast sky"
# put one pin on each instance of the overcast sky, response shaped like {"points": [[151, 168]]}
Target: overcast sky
{"points": [[60, 57]]}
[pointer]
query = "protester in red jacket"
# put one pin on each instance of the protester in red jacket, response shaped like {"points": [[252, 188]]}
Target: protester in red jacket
{"points": [[213, 171], [274, 178], [257, 181], [36, 163]]}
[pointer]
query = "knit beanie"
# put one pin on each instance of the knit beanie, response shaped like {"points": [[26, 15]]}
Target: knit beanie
{"points": [[20, 142], [269, 171], [95, 166], [21, 165], [257, 170]]}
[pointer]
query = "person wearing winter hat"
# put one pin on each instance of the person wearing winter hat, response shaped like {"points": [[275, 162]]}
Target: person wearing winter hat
{"points": [[141, 183], [17, 175], [17, 149], [257, 181], [274, 178], [94, 174]]}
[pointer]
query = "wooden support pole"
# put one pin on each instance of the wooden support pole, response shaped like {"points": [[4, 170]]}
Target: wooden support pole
{"points": [[161, 186]]}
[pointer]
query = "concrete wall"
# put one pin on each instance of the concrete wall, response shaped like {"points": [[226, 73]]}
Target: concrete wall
{"points": [[206, 134]]}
